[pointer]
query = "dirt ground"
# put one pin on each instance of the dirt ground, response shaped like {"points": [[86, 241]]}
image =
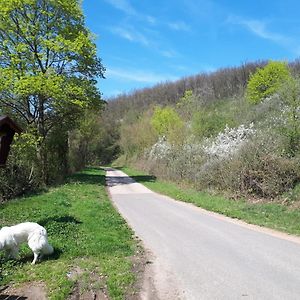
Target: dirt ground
{"points": [[30, 291], [142, 290]]}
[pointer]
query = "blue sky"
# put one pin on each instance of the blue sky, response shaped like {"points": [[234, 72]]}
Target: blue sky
{"points": [[142, 43]]}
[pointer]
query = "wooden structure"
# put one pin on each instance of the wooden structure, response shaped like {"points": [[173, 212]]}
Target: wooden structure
{"points": [[8, 128]]}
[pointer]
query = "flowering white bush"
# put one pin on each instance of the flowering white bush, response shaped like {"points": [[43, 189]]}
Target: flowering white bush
{"points": [[226, 143], [161, 149], [229, 141]]}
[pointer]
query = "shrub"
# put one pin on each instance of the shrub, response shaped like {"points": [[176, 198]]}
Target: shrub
{"points": [[241, 161], [137, 135], [212, 118], [269, 176], [21, 173], [290, 95], [258, 169], [228, 142]]}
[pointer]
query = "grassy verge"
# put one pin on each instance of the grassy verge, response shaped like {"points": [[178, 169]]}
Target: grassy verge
{"points": [[270, 215], [86, 232]]}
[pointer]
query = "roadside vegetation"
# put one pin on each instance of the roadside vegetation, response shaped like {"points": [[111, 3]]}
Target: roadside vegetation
{"points": [[93, 245], [233, 132]]}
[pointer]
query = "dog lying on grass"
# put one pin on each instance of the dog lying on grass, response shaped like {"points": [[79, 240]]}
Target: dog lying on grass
{"points": [[34, 234]]}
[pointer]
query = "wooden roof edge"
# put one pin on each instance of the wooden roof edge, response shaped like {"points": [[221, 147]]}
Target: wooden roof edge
{"points": [[11, 123]]}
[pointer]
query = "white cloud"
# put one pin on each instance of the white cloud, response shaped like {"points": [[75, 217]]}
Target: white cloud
{"points": [[169, 53], [127, 8], [131, 35], [259, 28], [202, 9], [150, 19], [138, 76], [179, 26], [123, 5], [135, 36]]}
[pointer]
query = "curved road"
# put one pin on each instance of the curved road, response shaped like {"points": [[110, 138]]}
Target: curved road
{"points": [[201, 255]]}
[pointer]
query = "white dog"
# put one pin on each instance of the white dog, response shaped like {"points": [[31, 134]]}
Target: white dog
{"points": [[32, 233]]}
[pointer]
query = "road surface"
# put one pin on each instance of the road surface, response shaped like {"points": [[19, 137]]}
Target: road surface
{"points": [[201, 255]]}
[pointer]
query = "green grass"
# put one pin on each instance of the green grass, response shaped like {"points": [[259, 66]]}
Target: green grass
{"points": [[272, 215], [86, 232]]}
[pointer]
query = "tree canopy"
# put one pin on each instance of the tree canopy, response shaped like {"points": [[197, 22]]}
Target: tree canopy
{"points": [[48, 75], [267, 80], [166, 122], [48, 62]]}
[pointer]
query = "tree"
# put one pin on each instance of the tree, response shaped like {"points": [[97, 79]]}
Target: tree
{"points": [[188, 104], [48, 65], [137, 136], [267, 81], [166, 122]]}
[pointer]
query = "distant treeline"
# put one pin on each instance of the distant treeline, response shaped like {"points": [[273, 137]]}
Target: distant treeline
{"points": [[221, 84]]}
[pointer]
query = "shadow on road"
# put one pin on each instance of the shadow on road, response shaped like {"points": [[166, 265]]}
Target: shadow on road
{"points": [[87, 178], [122, 180]]}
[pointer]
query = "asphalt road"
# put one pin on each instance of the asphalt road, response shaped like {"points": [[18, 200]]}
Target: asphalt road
{"points": [[201, 255]]}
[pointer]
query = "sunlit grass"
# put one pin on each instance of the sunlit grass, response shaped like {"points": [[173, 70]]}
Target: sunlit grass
{"points": [[86, 232]]}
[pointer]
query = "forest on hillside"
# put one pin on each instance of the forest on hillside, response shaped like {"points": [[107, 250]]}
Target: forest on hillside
{"points": [[208, 131]]}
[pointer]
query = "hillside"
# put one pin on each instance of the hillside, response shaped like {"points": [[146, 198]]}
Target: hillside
{"points": [[203, 131], [217, 85]]}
